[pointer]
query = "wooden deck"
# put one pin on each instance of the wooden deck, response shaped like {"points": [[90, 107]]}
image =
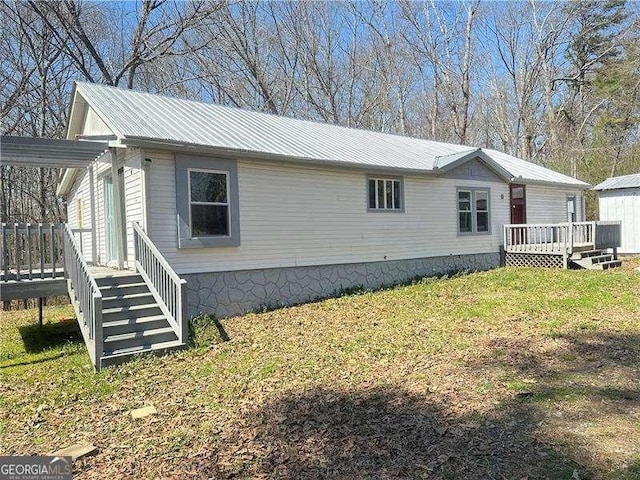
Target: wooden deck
{"points": [[554, 245]]}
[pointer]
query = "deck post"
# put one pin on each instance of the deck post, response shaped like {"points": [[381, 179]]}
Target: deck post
{"points": [[92, 202], [184, 312], [569, 246], [98, 345], [40, 312], [117, 211]]}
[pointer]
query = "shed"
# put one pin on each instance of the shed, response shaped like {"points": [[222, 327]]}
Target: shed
{"points": [[619, 199]]}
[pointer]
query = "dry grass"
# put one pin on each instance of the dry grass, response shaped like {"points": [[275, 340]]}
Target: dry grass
{"points": [[513, 373]]}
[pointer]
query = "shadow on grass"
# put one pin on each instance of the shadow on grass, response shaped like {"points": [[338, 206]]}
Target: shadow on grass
{"points": [[37, 339], [206, 330], [382, 433]]}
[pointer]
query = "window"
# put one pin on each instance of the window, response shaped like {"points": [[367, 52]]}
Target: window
{"points": [[385, 194], [473, 211], [209, 203]]}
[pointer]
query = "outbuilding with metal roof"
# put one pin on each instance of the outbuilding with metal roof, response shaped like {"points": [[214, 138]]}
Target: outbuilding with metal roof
{"points": [[619, 200]]}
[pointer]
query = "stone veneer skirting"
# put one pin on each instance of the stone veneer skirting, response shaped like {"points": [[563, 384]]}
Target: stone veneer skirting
{"points": [[225, 294]]}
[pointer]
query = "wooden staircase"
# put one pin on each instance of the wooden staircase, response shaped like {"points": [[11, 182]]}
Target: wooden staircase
{"points": [[132, 320], [122, 313], [594, 260]]}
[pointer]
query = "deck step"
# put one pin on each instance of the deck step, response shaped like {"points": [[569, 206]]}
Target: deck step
{"points": [[127, 288], [119, 280], [121, 299], [600, 258], [122, 355], [142, 338], [607, 265], [584, 254], [116, 327], [134, 311]]}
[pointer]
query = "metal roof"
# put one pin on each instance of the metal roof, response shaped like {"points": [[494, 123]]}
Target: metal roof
{"points": [[615, 183], [47, 152], [138, 117]]}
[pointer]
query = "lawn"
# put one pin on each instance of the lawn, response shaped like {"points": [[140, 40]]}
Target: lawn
{"points": [[512, 373]]}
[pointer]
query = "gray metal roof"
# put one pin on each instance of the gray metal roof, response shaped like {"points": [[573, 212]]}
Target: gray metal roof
{"points": [[48, 152], [137, 116], [615, 183]]}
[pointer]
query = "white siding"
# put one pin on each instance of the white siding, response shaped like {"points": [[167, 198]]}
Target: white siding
{"points": [[624, 206], [130, 160], [81, 191], [93, 125], [293, 215], [134, 202], [101, 168], [546, 204]]}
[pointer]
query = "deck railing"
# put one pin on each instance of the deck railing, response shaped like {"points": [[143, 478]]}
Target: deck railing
{"points": [[35, 251], [560, 238], [31, 251], [88, 299], [167, 287]]}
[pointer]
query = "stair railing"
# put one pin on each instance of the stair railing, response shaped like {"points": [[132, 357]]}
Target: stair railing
{"points": [[168, 289], [85, 295]]}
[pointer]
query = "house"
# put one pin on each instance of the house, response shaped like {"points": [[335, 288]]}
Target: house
{"points": [[196, 208], [619, 200]]}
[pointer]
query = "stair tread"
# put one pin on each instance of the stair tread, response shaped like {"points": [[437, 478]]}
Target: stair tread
{"points": [[127, 296], [141, 334], [594, 257], [132, 308], [118, 323], [127, 351], [122, 286]]}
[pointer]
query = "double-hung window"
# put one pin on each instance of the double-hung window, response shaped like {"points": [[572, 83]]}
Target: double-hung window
{"points": [[384, 194], [209, 203], [473, 211]]}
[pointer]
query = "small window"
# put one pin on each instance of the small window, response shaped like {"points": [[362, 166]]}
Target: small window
{"points": [[482, 210], [385, 194], [464, 212], [473, 211], [209, 203]]}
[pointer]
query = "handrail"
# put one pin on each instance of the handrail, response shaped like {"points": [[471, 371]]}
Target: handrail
{"points": [[168, 289], [88, 301]]}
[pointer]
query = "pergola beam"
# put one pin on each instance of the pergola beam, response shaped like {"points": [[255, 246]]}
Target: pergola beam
{"points": [[49, 153]]}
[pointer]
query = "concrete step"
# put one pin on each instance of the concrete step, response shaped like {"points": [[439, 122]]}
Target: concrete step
{"points": [[119, 280], [117, 327], [127, 288], [122, 355], [143, 338], [127, 299], [134, 311]]}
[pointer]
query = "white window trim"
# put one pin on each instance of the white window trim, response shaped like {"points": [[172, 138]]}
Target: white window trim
{"points": [[393, 180], [474, 211], [218, 204]]}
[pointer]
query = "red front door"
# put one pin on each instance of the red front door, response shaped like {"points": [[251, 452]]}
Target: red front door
{"points": [[518, 198]]}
